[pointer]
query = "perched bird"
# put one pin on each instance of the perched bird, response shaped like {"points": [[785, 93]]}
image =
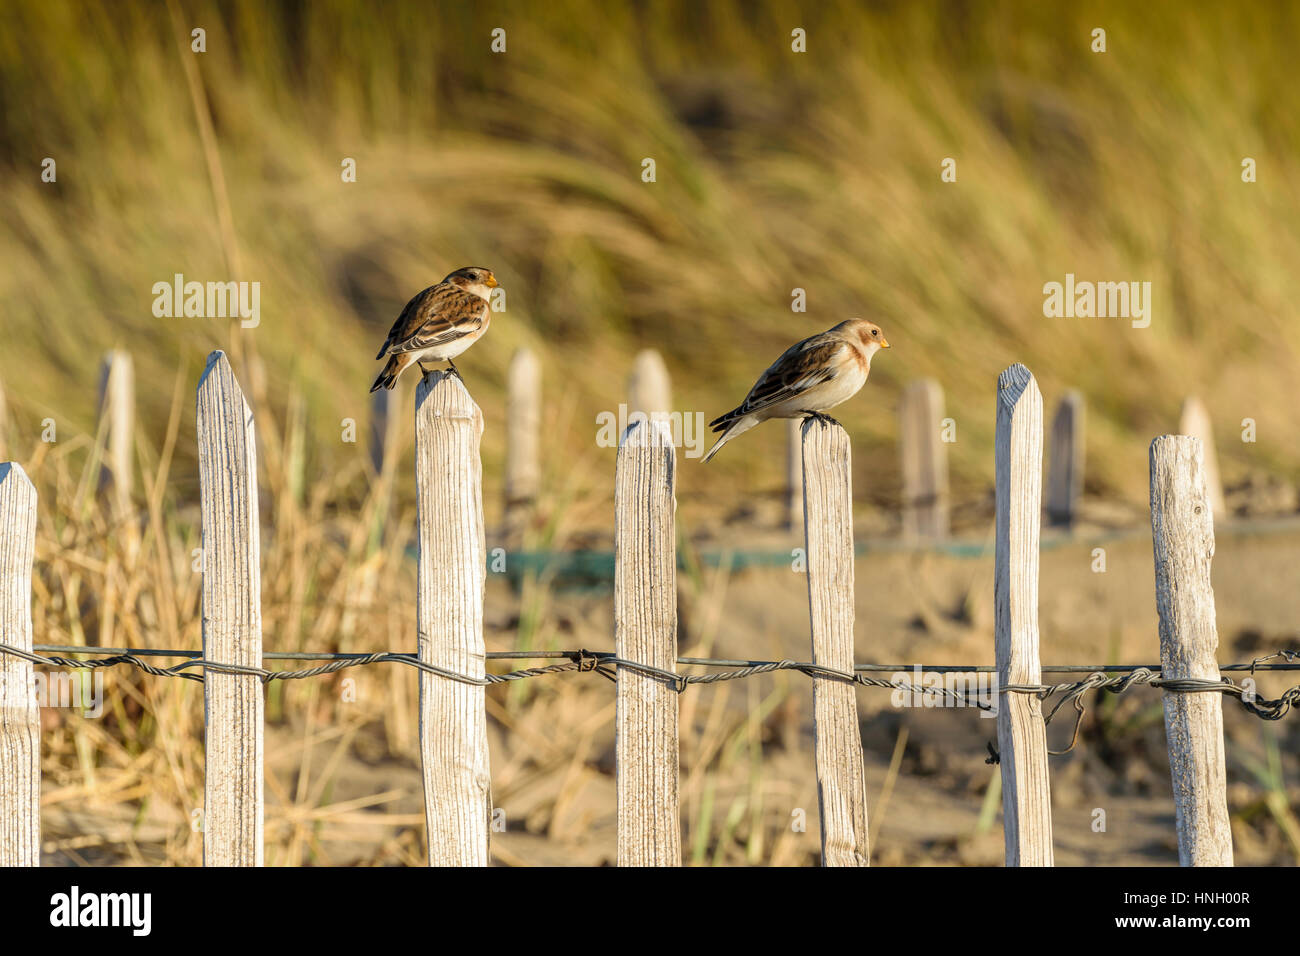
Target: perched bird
{"points": [[810, 376], [438, 324]]}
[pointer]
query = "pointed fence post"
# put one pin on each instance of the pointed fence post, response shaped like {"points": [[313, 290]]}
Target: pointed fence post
{"points": [[828, 526], [645, 609], [523, 441], [649, 389], [1182, 532], [20, 717], [232, 620], [117, 410], [449, 613], [925, 462], [1065, 476], [1022, 736], [1195, 421]]}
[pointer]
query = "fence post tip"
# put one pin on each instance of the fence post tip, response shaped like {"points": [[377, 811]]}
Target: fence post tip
{"points": [[12, 467], [1013, 381]]}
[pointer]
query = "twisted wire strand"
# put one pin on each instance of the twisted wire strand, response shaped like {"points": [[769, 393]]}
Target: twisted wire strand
{"points": [[194, 666]]}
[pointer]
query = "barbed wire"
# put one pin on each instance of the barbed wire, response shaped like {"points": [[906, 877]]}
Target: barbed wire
{"points": [[606, 664]]}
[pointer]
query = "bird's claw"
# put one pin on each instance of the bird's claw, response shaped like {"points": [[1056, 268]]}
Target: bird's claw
{"points": [[823, 418]]}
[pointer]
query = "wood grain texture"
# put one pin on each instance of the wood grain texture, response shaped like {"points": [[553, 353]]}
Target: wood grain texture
{"points": [[232, 620], [1022, 736], [117, 415], [924, 462], [649, 389], [645, 608], [20, 718], [828, 528], [1194, 421], [1182, 534], [1065, 474], [452, 578]]}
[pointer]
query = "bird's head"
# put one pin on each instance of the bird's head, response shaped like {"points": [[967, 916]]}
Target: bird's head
{"points": [[475, 280], [869, 334]]}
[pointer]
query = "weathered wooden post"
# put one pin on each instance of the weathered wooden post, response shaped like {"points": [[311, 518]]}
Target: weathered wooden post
{"points": [[449, 613], [828, 527], [1195, 421], [1182, 532], [649, 389], [794, 473], [523, 440], [1065, 476], [20, 717], [645, 608], [232, 620], [1022, 736], [117, 412], [925, 462]]}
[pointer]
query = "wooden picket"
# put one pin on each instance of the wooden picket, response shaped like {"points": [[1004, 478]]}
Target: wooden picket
{"points": [[925, 462], [1065, 474], [232, 620], [1182, 529], [645, 631], [1022, 736], [20, 718], [828, 524], [117, 414], [449, 615]]}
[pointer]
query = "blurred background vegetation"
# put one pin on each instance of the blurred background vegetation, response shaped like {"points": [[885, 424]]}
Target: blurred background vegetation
{"points": [[775, 170]]}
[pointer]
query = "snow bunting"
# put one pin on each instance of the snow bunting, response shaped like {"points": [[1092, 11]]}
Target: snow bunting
{"points": [[810, 376], [438, 324]]}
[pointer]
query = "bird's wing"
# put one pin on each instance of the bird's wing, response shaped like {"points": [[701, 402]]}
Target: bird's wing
{"points": [[441, 313], [801, 367]]}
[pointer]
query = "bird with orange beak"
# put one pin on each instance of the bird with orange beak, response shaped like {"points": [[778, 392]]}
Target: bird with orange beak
{"points": [[438, 324], [809, 378]]}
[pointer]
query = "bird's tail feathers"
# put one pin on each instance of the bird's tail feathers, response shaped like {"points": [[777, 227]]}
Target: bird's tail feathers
{"points": [[388, 377], [722, 422], [737, 427]]}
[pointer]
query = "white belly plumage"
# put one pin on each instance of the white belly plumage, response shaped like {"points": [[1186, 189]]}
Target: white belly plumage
{"points": [[449, 350]]}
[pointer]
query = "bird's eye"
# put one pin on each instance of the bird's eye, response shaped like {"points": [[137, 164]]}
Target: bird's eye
{"points": [[875, 331]]}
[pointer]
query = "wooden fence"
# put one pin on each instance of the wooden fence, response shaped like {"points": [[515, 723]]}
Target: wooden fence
{"points": [[450, 602]]}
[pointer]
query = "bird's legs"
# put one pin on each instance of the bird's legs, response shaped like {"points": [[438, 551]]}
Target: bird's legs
{"points": [[451, 367], [424, 372], [821, 417]]}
